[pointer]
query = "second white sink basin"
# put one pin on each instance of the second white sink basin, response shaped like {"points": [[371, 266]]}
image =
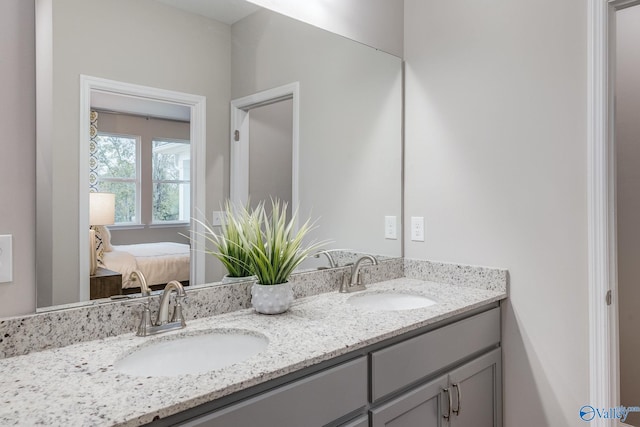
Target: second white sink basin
{"points": [[192, 354], [390, 301]]}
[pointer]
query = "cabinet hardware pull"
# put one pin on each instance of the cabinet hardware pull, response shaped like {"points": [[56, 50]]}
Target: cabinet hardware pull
{"points": [[448, 414], [459, 395]]}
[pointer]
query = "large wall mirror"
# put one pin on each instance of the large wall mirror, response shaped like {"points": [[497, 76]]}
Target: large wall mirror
{"points": [[344, 168]]}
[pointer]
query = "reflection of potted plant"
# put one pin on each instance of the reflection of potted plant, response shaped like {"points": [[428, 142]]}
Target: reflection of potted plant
{"points": [[274, 250], [229, 245]]}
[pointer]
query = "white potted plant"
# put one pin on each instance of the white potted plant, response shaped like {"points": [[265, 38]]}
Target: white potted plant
{"points": [[274, 249]]}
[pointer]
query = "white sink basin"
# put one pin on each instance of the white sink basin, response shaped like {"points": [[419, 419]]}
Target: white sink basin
{"points": [[192, 354], [390, 301]]}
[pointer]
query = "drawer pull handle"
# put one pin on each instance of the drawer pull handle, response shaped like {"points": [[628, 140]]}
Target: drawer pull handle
{"points": [[448, 414], [459, 395]]}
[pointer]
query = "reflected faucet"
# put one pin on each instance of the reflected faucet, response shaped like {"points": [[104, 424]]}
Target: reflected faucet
{"points": [[137, 276], [327, 253], [354, 283]]}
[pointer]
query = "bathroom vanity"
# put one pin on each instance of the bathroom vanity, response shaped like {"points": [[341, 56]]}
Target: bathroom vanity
{"points": [[418, 378], [328, 362]]}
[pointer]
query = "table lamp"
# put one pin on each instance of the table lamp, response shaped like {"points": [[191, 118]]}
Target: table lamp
{"points": [[102, 208]]}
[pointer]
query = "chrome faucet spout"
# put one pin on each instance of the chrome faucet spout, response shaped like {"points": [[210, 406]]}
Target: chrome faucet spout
{"points": [[163, 311], [332, 262], [137, 276]]}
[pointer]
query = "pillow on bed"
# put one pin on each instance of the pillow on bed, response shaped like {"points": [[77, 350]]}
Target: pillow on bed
{"points": [[103, 237]]}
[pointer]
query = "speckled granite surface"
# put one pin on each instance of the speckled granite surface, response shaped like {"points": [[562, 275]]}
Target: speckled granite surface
{"points": [[80, 323], [496, 279], [77, 384]]}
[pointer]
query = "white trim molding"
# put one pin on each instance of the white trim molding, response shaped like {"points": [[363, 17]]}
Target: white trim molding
{"points": [[604, 374], [239, 191], [197, 105]]}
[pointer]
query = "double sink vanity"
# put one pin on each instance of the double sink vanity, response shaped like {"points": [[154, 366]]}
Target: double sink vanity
{"points": [[421, 342]]}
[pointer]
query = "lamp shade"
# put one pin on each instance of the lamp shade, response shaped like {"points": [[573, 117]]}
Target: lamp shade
{"points": [[102, 208]]}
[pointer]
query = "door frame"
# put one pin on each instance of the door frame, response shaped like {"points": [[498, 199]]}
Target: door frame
{"points": [[604, 369], [240, 108], [197, 105]]}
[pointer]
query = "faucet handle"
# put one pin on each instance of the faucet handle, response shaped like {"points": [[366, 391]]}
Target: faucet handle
{"points": [[145, 321], [177, 311], [346, 280]]}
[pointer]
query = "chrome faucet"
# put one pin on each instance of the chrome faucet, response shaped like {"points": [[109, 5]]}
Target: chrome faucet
{"points": [[137, 276], [163, 311], [162, 323], [327, 253], [354, 282]]}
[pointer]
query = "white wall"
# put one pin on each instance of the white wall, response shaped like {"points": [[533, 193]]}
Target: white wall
{"points": [[376, 23], [628, 202], [18, 155], [350, 123], [155, 45], [496, 163]]}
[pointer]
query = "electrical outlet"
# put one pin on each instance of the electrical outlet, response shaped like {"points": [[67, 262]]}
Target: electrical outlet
{"points": [[219, 218], [390, 231], [6, 258], [417, 228]]}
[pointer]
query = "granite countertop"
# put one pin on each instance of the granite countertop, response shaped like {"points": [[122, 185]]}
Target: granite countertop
{"points": [[78, 385]]}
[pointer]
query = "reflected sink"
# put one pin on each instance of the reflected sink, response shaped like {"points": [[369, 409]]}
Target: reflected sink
{"points": [[192, 354], [390, 301]]}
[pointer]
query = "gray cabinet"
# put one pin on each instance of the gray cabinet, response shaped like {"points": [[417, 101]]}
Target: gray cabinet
{"points": [[362, 421], [448, 376], [469, 396], [406, 363], [476, 392], [422, 407], [313, 401]]}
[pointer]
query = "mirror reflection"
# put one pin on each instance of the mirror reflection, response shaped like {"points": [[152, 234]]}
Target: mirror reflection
{"points": [[335, 150]]}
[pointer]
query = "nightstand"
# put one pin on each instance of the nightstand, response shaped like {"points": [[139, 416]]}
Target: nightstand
{"points": [[105, 283]]}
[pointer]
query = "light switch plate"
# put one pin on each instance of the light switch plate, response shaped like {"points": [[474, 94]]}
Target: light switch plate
{"points": [[417, 228], [6, 258], [390, 227], [218, 218]]}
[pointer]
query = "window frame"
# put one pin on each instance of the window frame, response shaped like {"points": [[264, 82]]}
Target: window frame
{"points": [[182, 222], [138, 181]]}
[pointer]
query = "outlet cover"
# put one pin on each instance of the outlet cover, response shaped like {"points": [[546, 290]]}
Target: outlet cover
{"points": [[390, 227], [417, 228]]}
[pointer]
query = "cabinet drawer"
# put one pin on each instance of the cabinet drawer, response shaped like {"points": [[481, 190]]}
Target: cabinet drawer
{"points": [[313, 401], [405, 363]]}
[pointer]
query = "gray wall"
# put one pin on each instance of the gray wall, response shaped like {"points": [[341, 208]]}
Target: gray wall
{"points": [[628, 202], [496, 155], [350, 123], [270, 152], [18, 158]]}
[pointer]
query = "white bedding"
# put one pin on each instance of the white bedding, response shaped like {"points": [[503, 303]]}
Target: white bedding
{"points": [[159, 262]]}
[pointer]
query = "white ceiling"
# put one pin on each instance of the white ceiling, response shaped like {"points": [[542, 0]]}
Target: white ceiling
{"points": [[227, 11]]}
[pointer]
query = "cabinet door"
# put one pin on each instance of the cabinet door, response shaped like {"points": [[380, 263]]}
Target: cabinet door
{"points": [[476, 392], [422, 407], [313, 401]]}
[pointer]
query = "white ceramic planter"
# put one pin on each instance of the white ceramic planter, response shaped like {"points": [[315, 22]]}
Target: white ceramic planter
{"points": [[271, 299]]}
